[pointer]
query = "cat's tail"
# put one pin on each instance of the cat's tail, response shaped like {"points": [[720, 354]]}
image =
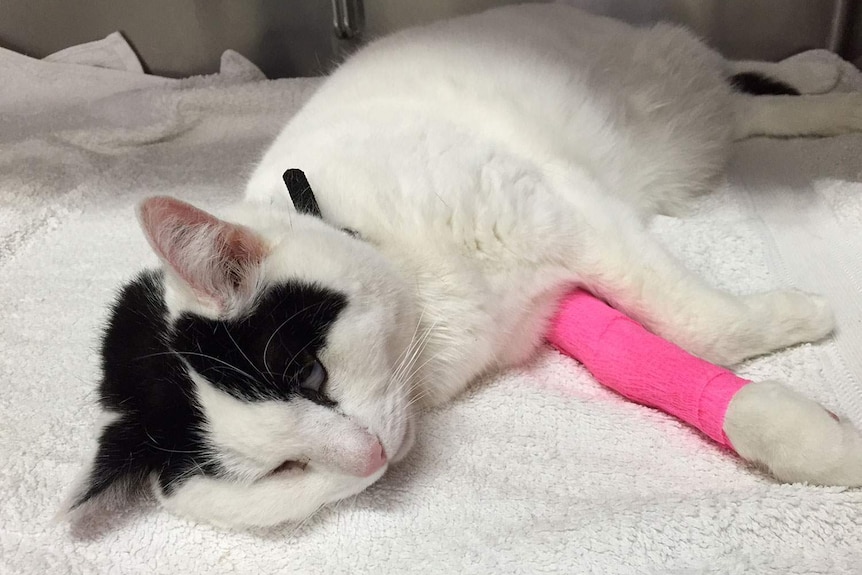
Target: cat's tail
{"points": [[792, 76], [766, 104], [757, 84]]}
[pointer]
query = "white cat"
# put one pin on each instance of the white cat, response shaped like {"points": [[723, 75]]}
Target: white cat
{"points": [[464, 176]]}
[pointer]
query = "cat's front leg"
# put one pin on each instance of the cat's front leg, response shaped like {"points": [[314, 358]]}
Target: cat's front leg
{"points": [[622, 263], [795, 438]]}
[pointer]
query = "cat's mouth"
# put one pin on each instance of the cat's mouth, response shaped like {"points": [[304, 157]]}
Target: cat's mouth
{"points": [[294, 466]]}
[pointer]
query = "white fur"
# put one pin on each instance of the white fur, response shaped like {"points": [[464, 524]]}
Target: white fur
{"points": [[251, 439], [792, 436], [825, 115], [807, 77], [84, 477], [491, 163], [367, 357]]}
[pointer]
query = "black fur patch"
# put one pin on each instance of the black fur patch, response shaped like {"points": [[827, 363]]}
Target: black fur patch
{"points": [[148, 386], [261, 355], [301, 193], [146, 383], [760, 85]]}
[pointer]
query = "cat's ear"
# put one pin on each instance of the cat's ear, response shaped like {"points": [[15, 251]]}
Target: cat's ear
{"points": [[116, 471], [217, 260]]}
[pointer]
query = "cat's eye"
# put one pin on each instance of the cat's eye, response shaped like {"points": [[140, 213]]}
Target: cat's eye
{"points": [[290, 466], [312, 377]]}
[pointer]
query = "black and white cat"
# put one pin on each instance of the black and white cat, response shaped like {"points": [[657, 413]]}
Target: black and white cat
{"points": [[464, 176]]}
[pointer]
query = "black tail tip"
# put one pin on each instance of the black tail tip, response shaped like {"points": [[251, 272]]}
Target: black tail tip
{"points": [[759, 85]]}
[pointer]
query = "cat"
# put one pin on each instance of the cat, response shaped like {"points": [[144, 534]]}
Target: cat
{"points": [[412, 228]]}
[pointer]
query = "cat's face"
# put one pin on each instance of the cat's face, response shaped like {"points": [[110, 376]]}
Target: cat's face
{"points": [[262, 374]]}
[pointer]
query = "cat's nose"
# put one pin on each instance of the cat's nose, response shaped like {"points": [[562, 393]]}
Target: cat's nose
{"points": [[376, 460]]}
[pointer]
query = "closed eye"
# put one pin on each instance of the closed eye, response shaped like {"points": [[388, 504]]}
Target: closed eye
{"points": [[290, 466]]}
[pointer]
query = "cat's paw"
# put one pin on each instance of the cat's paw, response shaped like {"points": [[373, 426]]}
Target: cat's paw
{"points": [[787, 318], [793, 437], [759, 324]]}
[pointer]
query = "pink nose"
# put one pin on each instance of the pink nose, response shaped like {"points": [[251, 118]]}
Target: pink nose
{"points": [[376, 460]]}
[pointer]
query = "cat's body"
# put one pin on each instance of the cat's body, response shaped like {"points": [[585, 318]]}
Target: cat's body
{"points": [[461, 168], [488, 164]]}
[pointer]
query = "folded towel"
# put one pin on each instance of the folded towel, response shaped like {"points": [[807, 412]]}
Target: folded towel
{"points": [[536, 470], [110, 52]]}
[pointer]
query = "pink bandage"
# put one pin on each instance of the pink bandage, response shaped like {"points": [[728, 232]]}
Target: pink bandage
{"points": [[643, 367]]}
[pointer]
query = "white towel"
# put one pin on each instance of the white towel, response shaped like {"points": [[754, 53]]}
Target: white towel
{"points": [[537, 470]]}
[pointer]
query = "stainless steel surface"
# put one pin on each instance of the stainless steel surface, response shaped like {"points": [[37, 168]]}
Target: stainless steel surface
{"points": [[741, 29], [182, 37], [839, 28], [297, 37], [852, 48], [348, 18]]}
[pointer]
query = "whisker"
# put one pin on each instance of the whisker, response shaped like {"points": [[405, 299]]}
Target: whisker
{"points": [[306, 520], [409, 348], [408, 379], [239, 349], [294, 357], [419, 348], [155, 444], [415, 331], [416, 369], [276, 330], [182, 353]]}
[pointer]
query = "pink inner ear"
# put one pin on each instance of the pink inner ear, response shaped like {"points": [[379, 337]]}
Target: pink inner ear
{"points": [[167, 222], [163, 208], [212, 256], [242, 245]]}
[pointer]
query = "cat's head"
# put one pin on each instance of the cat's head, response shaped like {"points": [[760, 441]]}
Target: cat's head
{"points": [[260, 374]]}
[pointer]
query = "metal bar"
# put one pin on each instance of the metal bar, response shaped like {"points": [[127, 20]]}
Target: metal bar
{"points": [[348, 18], [839, 27]]}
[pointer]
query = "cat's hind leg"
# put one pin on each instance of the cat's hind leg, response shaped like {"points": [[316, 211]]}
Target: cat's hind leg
{"points": [[767, 423], [790, 116], [789, 99], [623, 264]]}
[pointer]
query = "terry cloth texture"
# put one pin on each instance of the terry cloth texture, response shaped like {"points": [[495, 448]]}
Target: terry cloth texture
{"points": [[538, 470]]}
